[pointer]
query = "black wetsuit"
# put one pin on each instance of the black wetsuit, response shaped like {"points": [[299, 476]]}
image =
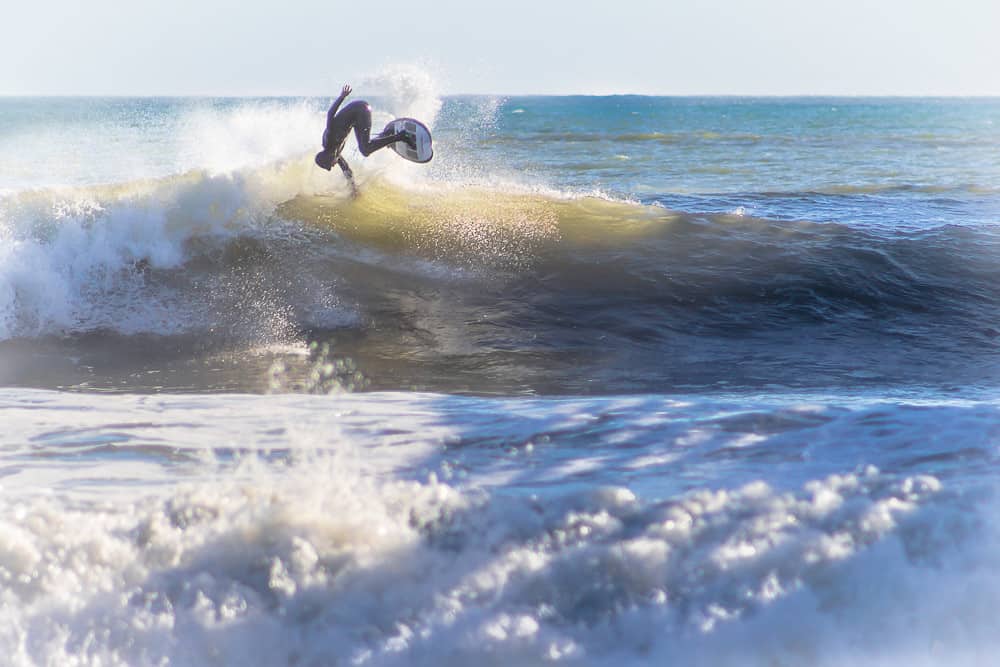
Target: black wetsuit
{"points": [[358, 115]]}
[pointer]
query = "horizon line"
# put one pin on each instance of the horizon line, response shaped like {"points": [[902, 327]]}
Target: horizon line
{"points": [[496, 94]]}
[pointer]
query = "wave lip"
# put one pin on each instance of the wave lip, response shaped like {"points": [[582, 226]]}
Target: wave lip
{"points": [[82, 259]]}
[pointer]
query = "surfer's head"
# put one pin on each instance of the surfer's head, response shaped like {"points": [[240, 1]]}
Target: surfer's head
{"points": [[325, 159]]}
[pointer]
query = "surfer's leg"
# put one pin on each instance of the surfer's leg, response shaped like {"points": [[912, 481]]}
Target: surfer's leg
{"points": [[339, 126], [361, 119]]}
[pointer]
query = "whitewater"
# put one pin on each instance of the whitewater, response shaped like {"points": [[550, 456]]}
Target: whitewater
{"points": [[612, 381]]}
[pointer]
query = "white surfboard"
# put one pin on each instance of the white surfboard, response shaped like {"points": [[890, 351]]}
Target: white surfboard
{"points": [[424, 150]]}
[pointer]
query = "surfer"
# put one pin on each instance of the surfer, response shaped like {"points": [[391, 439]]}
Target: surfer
{"points": [[357, 115]]}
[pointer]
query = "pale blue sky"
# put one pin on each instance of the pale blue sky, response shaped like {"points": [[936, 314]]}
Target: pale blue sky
{"points": [[673, 47]]}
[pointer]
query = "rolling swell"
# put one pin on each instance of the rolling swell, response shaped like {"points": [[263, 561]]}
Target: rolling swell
{"points": [[708, 268], [548, 294], [477, 289]]}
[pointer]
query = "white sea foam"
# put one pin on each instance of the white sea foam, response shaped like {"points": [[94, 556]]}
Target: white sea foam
{"points": [[74, 260], [252, 134], [316, 563], [316, 530], [405, 90]]}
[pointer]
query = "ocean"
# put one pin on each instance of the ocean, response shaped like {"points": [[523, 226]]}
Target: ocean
{"points": [[613, 380]]}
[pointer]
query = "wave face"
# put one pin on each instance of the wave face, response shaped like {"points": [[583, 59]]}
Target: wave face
{"points": [[580, 290], [491, 268]]}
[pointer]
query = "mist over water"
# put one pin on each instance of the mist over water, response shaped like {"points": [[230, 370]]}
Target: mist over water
{"points": [[610, 381]]}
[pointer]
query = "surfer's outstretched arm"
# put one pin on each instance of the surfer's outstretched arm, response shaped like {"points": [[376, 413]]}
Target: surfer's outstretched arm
{"points": [[344, 92]]}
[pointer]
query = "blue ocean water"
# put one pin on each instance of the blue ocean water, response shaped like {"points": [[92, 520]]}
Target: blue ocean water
{"points": [[613, 380]]}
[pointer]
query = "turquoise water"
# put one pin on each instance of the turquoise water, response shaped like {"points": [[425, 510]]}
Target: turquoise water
{"points": [[630, 144], [613, 380], [727, 145]]}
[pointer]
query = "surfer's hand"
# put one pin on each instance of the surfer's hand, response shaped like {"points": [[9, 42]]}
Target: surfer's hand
{"points": [[346, 168], [346, 90]]}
